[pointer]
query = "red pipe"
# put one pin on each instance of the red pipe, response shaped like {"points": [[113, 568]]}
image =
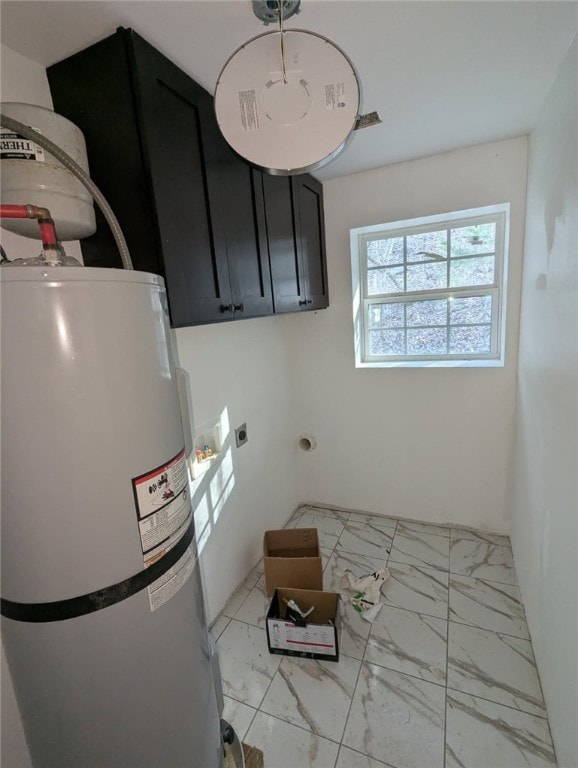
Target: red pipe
{"points": [[16, 212], [45, 222]]}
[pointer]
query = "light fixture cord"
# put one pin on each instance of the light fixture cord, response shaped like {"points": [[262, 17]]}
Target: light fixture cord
{"points": [[280, 5]]}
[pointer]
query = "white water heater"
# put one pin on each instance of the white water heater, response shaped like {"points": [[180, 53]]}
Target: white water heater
{"points": [[103, 619]]}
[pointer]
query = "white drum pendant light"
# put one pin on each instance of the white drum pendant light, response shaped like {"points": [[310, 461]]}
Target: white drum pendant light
{"points": [[287, 101]]}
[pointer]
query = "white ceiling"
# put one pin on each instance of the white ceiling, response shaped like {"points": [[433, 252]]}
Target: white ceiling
{"points": [[441, 75]]}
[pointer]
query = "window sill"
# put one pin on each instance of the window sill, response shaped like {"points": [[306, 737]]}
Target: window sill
{"points": [[434, 364]]}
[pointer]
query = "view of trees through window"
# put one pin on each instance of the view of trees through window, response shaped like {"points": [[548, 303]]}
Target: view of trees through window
{"points": [[431, 293]]}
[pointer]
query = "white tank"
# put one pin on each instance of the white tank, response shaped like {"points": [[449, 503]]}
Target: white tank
{"points": [[109, 671], [30, 175]]}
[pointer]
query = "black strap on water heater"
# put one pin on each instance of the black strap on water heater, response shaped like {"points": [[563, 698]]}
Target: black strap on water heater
{"points": [[60, 610]]}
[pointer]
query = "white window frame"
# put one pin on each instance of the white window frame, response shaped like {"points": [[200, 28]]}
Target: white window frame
{"points": [[498, 290]]}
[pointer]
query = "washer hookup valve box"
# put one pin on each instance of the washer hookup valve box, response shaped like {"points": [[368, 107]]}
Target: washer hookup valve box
{"points": [[316, 637], [292, 558]]}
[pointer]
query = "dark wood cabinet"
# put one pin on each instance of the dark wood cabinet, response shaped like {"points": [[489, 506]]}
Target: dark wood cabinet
{"points": [[230, 241], [296, 235], [190, 209]]}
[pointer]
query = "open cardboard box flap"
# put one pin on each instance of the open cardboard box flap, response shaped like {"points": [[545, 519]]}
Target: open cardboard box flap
{"points": [[292, 559]]}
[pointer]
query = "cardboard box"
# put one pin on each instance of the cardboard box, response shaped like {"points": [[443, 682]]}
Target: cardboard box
{"points": [[317, 637], [292, 559]]}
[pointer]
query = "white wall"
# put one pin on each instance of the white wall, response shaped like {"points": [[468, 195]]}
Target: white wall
{"points": [[545, 490], [241, 369], [428, 444]]}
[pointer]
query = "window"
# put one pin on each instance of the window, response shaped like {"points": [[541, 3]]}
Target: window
{"points": [[431, 291]]}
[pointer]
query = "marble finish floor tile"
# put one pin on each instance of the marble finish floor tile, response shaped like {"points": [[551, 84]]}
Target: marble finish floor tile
{"points": [[336, 514], [247, 667], [350, 759], [423, 549], [488, 538], [480, 733], [424, 590], [254, 575], [483, 560], [409, 642], [495, 667], [487, 604], [341, 561], [325, 553], [354, 631], [397, 718], [378, 521], [219, 626], [386, 699], [239, 715], [404, 526], [287, 746], [366, 539], [328, 529], [254, 608], [313, 694], [236, 601], [293, 521]]}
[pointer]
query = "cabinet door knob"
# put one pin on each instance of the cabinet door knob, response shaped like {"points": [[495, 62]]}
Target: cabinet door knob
{"points": [[310, 301], [226, 307], [239, 307], [302, 302]]}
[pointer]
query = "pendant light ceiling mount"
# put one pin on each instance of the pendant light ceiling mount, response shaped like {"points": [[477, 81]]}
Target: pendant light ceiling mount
{"points": [[268, 11]]}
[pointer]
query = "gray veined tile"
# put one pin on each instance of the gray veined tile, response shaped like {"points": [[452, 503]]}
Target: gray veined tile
{"points": [[247, 667], [239, 715], [496, 667], [424, 590], [487, 604], [354, 631], [378, 521], [294, 520], [254, 608], [255, 574], [218, 626], [336, 514], [313, 694], [404, 526], [287, 746], [236, 601], [483, 560], [359, 565], [409, 642], [489, 538], [325, 557], [481, 733], [350, 759], [424, 549], [328, 529], [366, 539], [397, 718]]}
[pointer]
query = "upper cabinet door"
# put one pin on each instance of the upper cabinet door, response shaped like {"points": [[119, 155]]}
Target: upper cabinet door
{"points": [[240, 217], [284, 254], [176, 121], [308, 201]]}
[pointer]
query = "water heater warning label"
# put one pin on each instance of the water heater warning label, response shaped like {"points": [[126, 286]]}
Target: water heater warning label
{"points": [[164, 514]]}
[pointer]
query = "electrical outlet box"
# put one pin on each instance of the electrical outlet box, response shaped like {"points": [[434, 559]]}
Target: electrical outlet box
{"points": [[241, 436]]}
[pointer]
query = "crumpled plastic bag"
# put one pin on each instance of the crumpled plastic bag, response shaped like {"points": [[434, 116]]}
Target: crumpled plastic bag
{"points": [[367, 592]]}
